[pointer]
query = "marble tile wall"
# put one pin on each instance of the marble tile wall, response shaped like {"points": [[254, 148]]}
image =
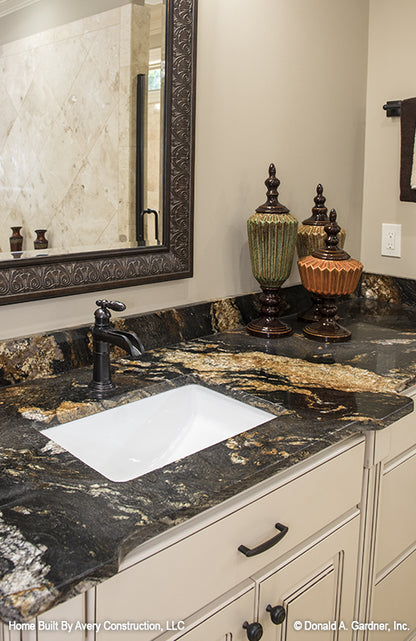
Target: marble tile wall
{"points": [[67, 130]]}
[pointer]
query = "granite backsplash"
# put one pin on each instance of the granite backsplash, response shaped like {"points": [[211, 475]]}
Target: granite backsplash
{"points": [[52, 353]]}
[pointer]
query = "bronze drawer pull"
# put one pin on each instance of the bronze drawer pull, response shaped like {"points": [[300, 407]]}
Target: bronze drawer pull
{"points": [[267, 544]]}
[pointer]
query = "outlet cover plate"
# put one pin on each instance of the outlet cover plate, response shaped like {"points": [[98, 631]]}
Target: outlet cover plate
{"points": [[391, 240]]}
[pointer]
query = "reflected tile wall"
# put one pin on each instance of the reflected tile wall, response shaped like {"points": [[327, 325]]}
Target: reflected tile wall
{"points": [[66, 132]]}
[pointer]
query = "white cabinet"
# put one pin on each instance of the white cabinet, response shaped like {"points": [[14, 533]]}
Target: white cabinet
{"points": [[70, 619], [394, 599], [394, 594], [397, 519], [313, 585], [389, 533], [314, 593], [222, 620], [312, 565]]}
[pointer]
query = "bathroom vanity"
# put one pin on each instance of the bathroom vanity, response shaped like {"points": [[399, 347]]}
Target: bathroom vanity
{"points": [[207, 589], [307, 518]]}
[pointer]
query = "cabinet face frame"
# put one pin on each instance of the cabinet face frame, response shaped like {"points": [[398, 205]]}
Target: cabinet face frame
{"points": [[386, 451]]}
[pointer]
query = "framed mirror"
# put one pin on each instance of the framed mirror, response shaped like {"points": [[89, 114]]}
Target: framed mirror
{"points": [[159, 245]]}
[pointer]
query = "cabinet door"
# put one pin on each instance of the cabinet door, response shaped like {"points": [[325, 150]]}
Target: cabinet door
{"points": [[394, 601], [315, 590], [9, 635], [65, 621], [221, 620], [397, 519], [226, 624]]}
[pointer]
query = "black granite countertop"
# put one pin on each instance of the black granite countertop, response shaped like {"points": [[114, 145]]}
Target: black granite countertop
{"points": [[64, 527]]}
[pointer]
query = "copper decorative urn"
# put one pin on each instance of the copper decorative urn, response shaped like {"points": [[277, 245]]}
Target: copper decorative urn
{"points": [[311, 236], [329, 272], [272, 239]]}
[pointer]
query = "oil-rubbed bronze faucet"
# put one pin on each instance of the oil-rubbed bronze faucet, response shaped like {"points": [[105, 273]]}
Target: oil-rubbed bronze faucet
{"points": [[104, 334]]}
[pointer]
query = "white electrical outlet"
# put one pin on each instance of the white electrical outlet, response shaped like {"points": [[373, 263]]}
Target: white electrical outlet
{"points": [[391, 240]]}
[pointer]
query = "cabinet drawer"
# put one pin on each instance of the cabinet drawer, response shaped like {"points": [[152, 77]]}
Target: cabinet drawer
{"points": [[401, 434], [208, 562], [397, 524]]}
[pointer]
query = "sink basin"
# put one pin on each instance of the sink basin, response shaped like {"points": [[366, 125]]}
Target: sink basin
{"points": [[125, 442]]}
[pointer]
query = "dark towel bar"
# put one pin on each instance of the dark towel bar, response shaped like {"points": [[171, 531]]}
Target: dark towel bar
{"points": [[392, 107]]}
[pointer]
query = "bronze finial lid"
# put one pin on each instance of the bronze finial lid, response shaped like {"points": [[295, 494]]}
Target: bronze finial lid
{"points": [[272, 205], [331, 251], [319, 212]]}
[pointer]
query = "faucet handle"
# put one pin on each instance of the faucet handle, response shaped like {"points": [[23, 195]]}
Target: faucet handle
{"points": [[115, 305], [103, 314]]}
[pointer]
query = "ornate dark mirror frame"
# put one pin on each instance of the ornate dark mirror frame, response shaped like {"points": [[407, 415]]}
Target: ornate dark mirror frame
{"points": [[34, 278]]}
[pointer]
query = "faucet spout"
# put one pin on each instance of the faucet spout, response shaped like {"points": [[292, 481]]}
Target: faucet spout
{"points": [[128, 341], [103, 335]]}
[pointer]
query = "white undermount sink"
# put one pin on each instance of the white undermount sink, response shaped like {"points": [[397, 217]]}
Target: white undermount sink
{"points": [[128, 441]]}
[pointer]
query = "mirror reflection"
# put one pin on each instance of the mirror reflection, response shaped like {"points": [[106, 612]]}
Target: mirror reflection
{"points": [[81, 128]]}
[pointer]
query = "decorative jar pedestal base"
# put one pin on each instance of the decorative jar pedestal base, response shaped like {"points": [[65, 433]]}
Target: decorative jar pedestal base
{"points": [[312, 313], [327, 329], [269, 325]]}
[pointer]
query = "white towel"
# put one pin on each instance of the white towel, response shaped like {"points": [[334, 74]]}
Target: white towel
{"points": [[413, 176]]}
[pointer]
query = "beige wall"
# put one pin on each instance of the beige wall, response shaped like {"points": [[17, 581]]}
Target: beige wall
{"points": [[392, 52], [278, 81]]}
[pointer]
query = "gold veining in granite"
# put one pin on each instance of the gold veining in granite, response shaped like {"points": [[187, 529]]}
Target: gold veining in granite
{"points": [[33, 357], [362, 419], [179, 318], [27, 586], [225, 315], [397, 341], [381, 288], [52, 448], [295, 371], [235, 458], [37, 414], [69, 411], [66, 411]]}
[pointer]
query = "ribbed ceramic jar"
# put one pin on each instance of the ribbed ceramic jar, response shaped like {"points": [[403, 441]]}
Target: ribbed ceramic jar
{"points": [[272, 241], [272, 232], [310, 238], [329, 272], [330, 277], [311, 233]]}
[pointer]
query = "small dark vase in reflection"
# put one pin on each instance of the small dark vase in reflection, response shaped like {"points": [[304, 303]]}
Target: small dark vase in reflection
{"points": [[40, 241], [16, 240]]}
